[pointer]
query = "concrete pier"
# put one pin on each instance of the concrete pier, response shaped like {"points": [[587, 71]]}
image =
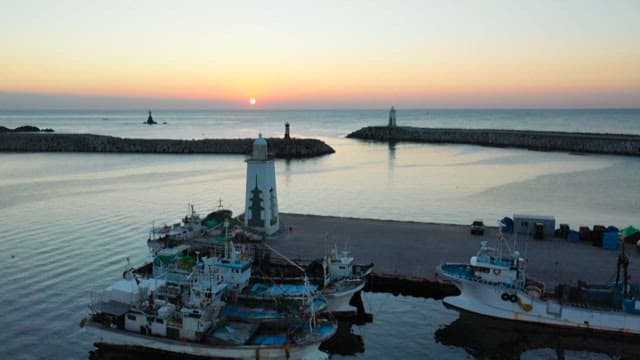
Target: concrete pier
{"points": [[412, 249], [618, 144]]}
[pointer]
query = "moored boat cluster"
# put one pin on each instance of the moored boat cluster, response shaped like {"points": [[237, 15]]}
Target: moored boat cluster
{"points": [[196, 294]]}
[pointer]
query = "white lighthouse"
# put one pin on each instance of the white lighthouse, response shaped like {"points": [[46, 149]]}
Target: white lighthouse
{"points": [[261, 198]]}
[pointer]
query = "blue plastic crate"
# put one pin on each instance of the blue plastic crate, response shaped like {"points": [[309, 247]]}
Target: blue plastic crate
{"points": [[610, 240], [573, 236]]}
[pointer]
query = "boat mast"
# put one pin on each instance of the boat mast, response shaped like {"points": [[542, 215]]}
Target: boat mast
{"points": [[305, 296], [625, 268]]}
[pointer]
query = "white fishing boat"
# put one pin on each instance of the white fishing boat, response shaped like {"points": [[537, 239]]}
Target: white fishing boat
{"points": [[343, 280], [335, 277], [188, 228], [494, 283]]}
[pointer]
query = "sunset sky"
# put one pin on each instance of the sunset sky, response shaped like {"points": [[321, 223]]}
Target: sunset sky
{"points": [[319, 54]]}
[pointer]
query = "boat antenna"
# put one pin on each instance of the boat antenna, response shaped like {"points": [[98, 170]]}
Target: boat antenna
{"points": [[515, 238], [526, 242]]}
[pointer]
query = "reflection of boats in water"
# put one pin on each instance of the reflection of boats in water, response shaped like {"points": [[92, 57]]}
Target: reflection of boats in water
{"points": [[345, 341], [484, 337]]}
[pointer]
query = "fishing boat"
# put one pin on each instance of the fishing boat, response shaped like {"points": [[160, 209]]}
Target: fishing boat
{"points": [[335, 276], [188, 228], [146, 313], [494, 283], [343, 279]]}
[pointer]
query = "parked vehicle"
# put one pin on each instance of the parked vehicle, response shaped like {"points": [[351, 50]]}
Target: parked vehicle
{"points": [[477, 227]]}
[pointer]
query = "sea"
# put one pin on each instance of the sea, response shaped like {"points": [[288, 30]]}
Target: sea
{"points": [[71, 221]]}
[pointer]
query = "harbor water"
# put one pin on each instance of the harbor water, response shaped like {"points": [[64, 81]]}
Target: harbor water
{"points": [[70, 220]]}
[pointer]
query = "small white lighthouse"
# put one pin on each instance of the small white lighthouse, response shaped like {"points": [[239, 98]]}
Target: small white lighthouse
{"points": [[261, 198], [392, 117]]}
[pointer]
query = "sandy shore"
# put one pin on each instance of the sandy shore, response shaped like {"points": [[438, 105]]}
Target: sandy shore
{"points": [[415, 249]]}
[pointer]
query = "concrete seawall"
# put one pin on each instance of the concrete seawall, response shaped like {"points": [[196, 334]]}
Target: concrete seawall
{"points": [[52, 142], [618, 144]]}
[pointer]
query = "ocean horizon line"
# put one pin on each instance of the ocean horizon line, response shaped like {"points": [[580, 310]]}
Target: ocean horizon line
{"points": [[145, 110]]}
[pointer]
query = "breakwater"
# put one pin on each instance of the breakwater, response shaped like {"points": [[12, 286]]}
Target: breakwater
{"points": [[52, 142], [618, 144]]}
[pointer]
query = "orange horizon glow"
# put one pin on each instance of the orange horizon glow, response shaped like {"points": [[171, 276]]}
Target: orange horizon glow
{"points": [[489, 52], [440, 81]]}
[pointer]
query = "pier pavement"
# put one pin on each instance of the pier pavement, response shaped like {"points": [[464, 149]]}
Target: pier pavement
{"points": [[416, 249]]}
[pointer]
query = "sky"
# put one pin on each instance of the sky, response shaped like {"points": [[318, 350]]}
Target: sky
{"points": [[319, 54]]}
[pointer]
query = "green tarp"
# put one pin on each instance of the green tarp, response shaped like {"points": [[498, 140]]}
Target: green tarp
{"points": [[211, 223], [628, 231]]}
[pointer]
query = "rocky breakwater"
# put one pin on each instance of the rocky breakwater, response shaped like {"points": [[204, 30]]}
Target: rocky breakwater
{"points": [[618, 144], [51, 142]]}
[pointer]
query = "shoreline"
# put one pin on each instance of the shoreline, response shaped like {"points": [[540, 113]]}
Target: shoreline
{"points": [[59, 142], [599, 143]]}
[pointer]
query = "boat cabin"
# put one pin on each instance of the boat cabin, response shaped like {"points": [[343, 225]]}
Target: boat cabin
{"points": [[234, 268], [490, 266], [340, 264]]}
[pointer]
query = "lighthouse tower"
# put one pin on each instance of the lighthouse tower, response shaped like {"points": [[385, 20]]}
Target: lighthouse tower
{"points": [[392, 117], [261, 199]]}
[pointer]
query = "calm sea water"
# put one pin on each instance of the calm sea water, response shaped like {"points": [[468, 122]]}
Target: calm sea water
{"points": [[70, 220]]}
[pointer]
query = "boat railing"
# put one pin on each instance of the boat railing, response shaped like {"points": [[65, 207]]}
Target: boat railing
{"points": [[469, 277]]}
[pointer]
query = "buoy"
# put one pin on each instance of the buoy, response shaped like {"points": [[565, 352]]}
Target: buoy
{"points": [[525, 307]]}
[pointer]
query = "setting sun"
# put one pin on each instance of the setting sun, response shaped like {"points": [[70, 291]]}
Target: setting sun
{"points": [[252, 101]]}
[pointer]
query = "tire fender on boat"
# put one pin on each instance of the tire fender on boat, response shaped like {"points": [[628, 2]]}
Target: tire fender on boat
{"points": [[513, 298], [504, 296]]}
